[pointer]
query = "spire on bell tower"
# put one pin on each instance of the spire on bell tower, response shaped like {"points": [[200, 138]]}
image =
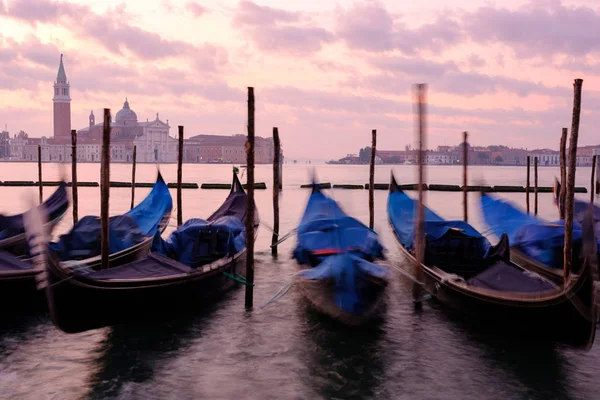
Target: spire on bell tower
{"points": [[62, 103], [92, 119]]}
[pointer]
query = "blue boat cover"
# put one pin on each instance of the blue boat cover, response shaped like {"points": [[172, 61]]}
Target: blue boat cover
{"points": [[348, 273], [54, 206], [326, 229], [152, 266], [402, 215], [199, 242], [10, 262], [505, 277], [127, 230], [543, 241]]}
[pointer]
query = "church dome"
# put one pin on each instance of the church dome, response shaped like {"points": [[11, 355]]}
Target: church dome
{"points": [[126, 114]]}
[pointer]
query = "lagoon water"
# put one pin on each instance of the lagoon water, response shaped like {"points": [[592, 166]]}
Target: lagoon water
{"points": [[285, 350]]}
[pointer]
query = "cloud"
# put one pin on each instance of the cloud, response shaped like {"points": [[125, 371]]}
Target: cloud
{"points": [[370, 27], [537, 29], [476, 61], [281, 31], [446, 77], [196, 9]]}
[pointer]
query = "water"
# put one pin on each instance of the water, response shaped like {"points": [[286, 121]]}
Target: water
{"points": [[287, 351]]}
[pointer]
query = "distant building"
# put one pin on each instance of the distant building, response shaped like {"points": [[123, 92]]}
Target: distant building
{"points": [[4, 144], [62, 104], [226, 149]]}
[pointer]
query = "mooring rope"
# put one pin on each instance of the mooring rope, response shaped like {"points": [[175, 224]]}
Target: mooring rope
{"points": [[282, 291]]}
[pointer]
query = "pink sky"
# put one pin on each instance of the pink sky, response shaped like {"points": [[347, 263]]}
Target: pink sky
{"points": [[324, 72]]}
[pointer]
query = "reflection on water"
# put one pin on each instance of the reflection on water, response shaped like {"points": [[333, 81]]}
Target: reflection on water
{"points": [[344, 362]]}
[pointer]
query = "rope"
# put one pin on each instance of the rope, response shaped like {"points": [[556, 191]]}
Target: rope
{"points": [[281, 291], [289, 234], [406, 274], [238, 279]]}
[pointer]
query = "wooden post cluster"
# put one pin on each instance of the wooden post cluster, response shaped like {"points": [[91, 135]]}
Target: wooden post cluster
{"points": [[535, 186], [568, 250], [593, 175], [74, 175], [133, 176], [563, 173], [464, 188], [276, 188], [527, 185], [372, 178], [250, 203], [104, 191], [421, 93], [40, 173], [179, 178]]}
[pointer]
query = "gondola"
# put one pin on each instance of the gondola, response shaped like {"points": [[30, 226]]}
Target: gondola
{"points": [[536, 245], [343, 272], [201, 259], [464, 271], [131, 234], [17, 274]]}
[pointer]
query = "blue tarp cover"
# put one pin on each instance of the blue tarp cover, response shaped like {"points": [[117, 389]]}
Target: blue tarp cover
{"points": [[53, 207], [152, 266], [507, 278], [9, 262], [402, 214], [129, 229], [349, 274], [83, 240], [543, 241], [197, 242], [324, 225]]}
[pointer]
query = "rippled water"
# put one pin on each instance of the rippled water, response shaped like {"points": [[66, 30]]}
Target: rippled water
{"points": [[286, 350]]}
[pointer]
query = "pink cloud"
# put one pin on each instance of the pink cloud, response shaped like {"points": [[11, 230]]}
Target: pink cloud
{"points": [[196, 9]]}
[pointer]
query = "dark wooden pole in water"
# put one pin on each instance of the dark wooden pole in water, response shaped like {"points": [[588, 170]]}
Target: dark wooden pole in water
{"points": [[74, 175], [465, 165], [535, 186], [568, 251], [592, 183], [276, 187], [133, 176], [527, 185], [597, 176], [421, 92], [179, 178], [40, 173], [563, 174], [105, 190], [250, 203], [372, 179]]}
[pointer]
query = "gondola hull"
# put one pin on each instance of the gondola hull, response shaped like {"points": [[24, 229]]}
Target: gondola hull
{"points": [[77, 304], [321, 295], [18, 291], [567, 316]]}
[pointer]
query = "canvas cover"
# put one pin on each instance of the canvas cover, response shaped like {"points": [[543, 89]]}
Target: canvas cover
{"points": [[326, 229], [9, 262], [198, 242], [507, 278], [540, 240], [152, 266], [348, 273], [127, 230], [54, 206]]}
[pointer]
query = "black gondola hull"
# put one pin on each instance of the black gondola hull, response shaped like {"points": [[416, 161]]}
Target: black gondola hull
{"points": [[77, 305]]}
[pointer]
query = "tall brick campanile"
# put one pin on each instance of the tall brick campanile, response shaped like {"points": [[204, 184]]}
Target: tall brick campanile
{"points": [[62, 104]]}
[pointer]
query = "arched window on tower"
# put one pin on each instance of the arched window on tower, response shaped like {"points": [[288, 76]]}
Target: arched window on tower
{"points": [[56, 91]]}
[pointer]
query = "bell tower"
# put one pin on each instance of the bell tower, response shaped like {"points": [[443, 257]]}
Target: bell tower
{"points": [[92, 119], [62, 104]]}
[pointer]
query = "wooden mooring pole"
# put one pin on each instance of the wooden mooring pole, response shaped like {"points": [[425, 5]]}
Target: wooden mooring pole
{"points": [[179, 178], [105, 191], [276, 188], [372, 178], [572, 162], [40, 173], [593, 179], [133, 176], [527, 185], [464, 188], [535, 186], [563, 174], [421, 94], [74, 175], [597, 177], [250, 203]]}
